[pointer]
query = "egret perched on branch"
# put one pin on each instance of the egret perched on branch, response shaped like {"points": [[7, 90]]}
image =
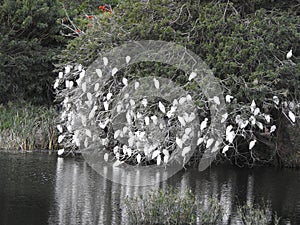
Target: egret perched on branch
{"points": [[289, 54]]}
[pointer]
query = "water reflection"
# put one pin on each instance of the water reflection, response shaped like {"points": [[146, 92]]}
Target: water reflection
{"points": [[84, 197]]}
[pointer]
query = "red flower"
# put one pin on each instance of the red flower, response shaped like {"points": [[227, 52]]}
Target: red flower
{"points": [[78, 31], [90, 17], [103, 8]]}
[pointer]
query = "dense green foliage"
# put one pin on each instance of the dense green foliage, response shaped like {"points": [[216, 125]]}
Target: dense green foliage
{"points": [[29, 38], [246, 49], [245, 43]]}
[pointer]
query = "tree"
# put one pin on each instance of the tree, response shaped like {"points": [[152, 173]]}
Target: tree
{"points": [[246, 47], [29, 40]]}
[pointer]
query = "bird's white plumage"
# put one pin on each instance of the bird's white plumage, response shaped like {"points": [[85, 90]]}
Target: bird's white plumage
{"points": [[289, 54], [251, 144], [292, 116]]}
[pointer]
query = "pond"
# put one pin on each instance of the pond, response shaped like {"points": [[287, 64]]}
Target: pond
{"points": [[37, 189]]}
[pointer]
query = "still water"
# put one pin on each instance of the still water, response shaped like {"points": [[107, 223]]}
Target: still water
{"points": [[37, 189]]}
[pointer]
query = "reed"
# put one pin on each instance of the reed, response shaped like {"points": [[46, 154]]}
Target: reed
{"points": [[25, 126], [174, 207]]}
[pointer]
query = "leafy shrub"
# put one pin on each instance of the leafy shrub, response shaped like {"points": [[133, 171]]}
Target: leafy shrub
{"points": [[29, 38]]}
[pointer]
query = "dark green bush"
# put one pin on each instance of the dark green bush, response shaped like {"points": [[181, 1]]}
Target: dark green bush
{"points": [[29, 38]]}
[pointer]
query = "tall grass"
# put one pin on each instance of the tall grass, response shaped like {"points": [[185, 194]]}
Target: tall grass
{"points": [[27, 127], [173, 207]]}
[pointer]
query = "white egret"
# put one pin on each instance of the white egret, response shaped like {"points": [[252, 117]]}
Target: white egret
{"points": [[83, 120], [138, 158], [114, 71], [230, 136], [136, 85], [267, 118], [292, 117], [105, 156], [59, 128], [86, 143], [60, 138], [224, 117], [216, 100], [96, 87], [253, 106], [200, 141], [92, 113], [105, 61], [276, 100], [228, 129], [209, 142], [158, 160], [166, 158], [60, 152], [99, 73], [161, 107], [244, 124], [144, 102], [108, 96], [67, 83], [106, 105], [251, 144], [117, 133], [256, 111], [260, 125], [182, 100], [156, 83], [192, 76], [154, 119], [83, 86], [189, 98], [71, 84], [182, 121], [216, 146], [252, 120], [128, 58], [155, 154], [147, 120], [185, 150], [125, 81], [161, 126], [89, 96], [272, 129], [67, 69], [82, 74], [203, 124], [187, 130], [179, 142], [132, 102], [175, 102], [225, 149], [228, 98], [56, 84], [88, 133], [60, 75], [128, 118], [289, 54]]}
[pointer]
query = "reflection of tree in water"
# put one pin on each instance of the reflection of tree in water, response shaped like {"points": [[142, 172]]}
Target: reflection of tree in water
{"points": [[84, 197]]}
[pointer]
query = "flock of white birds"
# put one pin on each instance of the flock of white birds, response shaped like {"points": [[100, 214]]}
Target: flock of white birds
{"points": [[81, 92]]}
